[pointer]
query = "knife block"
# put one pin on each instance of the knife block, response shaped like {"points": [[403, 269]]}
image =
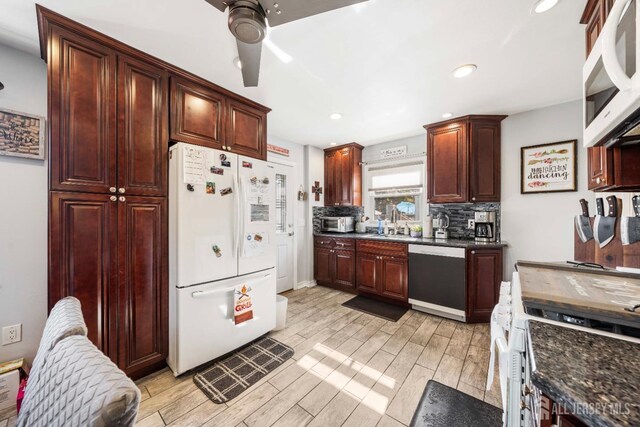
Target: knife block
{"points": [[612, 255]]}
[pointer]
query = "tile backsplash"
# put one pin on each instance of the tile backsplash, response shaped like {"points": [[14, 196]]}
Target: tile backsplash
{"points": [[320, 211], [460, 213]]}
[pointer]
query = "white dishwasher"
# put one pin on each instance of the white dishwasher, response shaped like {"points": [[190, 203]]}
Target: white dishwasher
{"points": [[437, 280]]}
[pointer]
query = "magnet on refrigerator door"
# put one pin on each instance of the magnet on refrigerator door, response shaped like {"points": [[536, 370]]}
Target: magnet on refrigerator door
{"points": [[210, 187], [217, 171], [247, 164], [226, 191]]}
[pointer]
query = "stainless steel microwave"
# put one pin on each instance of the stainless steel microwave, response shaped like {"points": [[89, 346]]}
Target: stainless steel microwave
{"points": [[337, 224]]}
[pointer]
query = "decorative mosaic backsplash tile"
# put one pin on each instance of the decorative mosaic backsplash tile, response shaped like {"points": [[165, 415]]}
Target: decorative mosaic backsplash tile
{"points": [[460, 213], [320, 211]]}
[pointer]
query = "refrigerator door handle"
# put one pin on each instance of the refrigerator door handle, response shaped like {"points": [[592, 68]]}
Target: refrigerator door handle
{"points": [[236, 239], [200, 294]]}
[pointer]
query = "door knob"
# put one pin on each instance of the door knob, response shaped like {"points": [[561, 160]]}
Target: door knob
{"points": [[224, 147], [112, 189], [113, 198], [121, 190], [122, 199]]}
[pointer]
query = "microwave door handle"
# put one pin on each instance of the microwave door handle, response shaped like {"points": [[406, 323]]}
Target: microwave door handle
{"points": [[608, 43]]}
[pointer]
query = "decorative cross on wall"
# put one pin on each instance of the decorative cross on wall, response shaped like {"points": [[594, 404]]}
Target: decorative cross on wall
{"points": [[317, 190]]}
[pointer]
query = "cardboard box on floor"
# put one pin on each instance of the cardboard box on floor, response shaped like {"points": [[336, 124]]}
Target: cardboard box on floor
{"points": [[9, 383]]}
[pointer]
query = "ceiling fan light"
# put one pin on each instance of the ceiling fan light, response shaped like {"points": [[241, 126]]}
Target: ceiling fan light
{"points": [[542, 6], [464, 70]]}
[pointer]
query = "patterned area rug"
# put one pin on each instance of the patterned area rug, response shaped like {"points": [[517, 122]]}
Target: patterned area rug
{"points": [[229, 377]]}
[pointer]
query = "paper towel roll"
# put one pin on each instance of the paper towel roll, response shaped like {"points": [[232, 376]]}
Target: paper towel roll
{"points": [[427, 228]]}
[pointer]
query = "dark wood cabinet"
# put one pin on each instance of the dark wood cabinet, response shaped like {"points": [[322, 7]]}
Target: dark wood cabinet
{"points": [[382, 269], [463, 160], [142, 284], [142, 128], [83, 260], [447, 161], [334, 263], [82, 106], [246, 130], [202, 115], [197, 114], [484, 275], [343, 175]]}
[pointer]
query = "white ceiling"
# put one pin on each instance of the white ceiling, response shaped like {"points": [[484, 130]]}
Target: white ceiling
{"points": [[385, 64]]}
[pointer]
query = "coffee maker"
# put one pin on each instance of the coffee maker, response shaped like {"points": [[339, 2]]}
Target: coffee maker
{"points": [[485, 226]]}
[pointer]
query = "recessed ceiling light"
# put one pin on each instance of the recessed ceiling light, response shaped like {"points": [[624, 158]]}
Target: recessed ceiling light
{"points": [[237, 62], [464, 70], [335, 116], [542, 6], [333, 143], [447, 115]]}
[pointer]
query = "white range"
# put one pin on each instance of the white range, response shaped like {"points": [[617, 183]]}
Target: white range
{"points": [[221, 237]]}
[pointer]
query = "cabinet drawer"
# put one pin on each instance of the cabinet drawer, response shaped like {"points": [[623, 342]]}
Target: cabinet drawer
{"points": [[345, 244], [382, 248], [331, 242]]}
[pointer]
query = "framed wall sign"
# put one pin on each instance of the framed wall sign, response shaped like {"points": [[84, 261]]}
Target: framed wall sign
{"points": [[549, 168], [390, 153], [21, 134]]}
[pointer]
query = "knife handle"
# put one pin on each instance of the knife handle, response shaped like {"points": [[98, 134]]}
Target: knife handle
{"points": [[636, 205], [600, 206], [585, 207], [613, 206]]}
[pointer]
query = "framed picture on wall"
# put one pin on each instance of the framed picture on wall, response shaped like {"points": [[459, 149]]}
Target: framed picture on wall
{"points": [[549, 168], [21, 134]]}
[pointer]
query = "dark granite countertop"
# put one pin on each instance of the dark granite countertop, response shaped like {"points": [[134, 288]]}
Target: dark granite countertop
{"points": [[454, 243], [594, 377]]}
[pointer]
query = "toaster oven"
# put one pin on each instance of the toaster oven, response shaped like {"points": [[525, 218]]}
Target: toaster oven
{"points": [[337, 224]]}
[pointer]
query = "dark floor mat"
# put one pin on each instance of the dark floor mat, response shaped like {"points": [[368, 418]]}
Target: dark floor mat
{"points": [[232, 375], [376, 308]]}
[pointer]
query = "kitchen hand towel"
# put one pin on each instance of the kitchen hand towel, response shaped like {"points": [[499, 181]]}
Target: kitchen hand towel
{"points": [[242, 307], [498, 339]]}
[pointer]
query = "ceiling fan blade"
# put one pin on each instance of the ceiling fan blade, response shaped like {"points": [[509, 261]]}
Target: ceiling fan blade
{"points": [[221, 5], [291, 10], [250, 59]]}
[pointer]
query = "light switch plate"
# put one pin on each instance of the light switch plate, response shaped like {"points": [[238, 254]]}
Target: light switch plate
{"points": [[12, 334]]}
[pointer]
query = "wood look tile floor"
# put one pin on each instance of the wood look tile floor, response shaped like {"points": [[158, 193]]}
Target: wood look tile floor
{"points": [[349, 369]]}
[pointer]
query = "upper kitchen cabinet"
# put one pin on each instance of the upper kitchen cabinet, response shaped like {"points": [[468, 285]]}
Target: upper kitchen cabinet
{"points": [[343, 175], [463, 160], [246, 130], [82, 97], [203, 115], [197, 114], [108, 119], [142, 128]]}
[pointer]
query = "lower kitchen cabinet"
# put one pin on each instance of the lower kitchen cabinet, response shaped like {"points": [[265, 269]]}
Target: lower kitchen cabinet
{"points": [[382, 269], [334, 263], [484, 275], [110, 253]]}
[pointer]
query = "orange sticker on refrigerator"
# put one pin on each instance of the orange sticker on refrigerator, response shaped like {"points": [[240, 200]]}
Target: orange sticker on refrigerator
{"points": [[243, 307]]}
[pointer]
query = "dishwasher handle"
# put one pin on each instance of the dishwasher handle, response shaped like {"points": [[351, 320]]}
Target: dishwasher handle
{"points": [[445, 251]]}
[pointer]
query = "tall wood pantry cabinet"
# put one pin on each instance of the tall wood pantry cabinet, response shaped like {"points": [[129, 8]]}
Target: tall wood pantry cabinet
{"points": [[109, 132]]}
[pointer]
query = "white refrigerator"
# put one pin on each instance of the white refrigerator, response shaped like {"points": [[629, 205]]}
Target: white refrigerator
{"points": [[221, 238]]}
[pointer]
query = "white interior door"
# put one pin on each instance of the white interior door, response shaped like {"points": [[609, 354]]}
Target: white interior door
{"points": [[284, 227]]}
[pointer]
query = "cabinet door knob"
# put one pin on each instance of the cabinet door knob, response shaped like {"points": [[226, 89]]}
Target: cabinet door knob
{"points": [[113, 198], [473, 198], [473, 252], [121, 190], [598, 180], [112, 189], [122, 199]]}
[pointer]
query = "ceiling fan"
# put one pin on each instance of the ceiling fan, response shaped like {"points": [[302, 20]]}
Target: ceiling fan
{"points": [[248, 23]]}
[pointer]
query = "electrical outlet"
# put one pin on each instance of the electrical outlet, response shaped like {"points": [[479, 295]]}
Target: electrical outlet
{"points": [[12, 334], [471, 224]]}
